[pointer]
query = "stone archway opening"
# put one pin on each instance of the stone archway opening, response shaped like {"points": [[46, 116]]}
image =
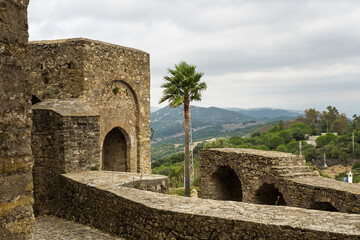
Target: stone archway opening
{"points": [[268, 194], [226, 184], [115, 151], [323, 206]]}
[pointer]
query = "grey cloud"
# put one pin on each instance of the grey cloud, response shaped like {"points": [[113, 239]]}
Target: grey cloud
{"points": [[221, 37]]}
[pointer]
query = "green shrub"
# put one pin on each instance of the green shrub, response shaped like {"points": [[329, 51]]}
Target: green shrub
{"points": [[275, 141], [236, 140], [303, 127], [94, 168], [356, 165], [310, 154], [255, 134], [297, 134], [324, 140], [197, 181], [292, 146], [286, 135], [281, 148]]}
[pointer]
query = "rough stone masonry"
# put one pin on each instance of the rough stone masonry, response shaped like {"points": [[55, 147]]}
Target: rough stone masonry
{"points": [[16, 214]]}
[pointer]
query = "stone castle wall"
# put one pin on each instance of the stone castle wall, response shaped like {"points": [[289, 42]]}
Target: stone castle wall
{"points": [[16, 199], [114, 80], [119, 90], [65, 138]]}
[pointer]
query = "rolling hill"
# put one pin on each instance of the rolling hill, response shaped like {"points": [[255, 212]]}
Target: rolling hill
{"points": [[168, 123]]}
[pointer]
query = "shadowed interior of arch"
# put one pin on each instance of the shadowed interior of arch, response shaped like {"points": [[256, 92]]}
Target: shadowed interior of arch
{"points": [[227, 185], [34, 99], [115, 151], [268, 194], [323, 206]]}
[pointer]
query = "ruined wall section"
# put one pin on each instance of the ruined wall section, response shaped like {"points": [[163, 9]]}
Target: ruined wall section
{"points": [[252, 167], [16, 199], [65, 138], [56, 69], [119, 90], [304, 192], [286, 173]]}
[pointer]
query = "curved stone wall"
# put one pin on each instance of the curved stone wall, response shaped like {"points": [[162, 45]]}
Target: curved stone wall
{"points": [[95, 200]]}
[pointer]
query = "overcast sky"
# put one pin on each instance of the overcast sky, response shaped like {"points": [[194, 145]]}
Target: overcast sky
{"points": [[292, 54]]}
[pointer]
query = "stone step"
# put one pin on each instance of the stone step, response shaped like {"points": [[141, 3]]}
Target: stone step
{"points": [[294, 161], [279, 170], [295, 175]]}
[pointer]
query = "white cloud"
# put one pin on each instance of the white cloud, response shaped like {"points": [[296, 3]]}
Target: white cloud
{"points": [[255, 53]]}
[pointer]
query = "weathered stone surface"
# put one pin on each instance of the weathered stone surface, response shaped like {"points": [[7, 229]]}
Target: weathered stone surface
{"points": [[52, 228], [255, 176], [136, 214], [16, 215], [73, 107], [114, 80], [61, 144]]}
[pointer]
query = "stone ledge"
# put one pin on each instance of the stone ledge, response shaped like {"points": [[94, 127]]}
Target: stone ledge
{"points": [[156, 209], [254, 152], [80, 41], [73, 107], [326, 183]]}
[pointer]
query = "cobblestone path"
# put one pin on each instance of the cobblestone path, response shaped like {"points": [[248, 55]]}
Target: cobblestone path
{"points": [[52, 228]]}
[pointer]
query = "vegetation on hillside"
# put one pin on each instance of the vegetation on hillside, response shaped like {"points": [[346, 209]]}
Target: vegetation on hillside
{"points": [[335, 143]]}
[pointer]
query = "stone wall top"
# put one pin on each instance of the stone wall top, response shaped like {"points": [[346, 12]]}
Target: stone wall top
{"points": [[67, 107], [286, 217], [254, 152], [326, 183], [80, 41], [104, 178]]}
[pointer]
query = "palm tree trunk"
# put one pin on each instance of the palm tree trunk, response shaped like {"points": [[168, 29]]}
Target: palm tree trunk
{"points": [[187, 148]]}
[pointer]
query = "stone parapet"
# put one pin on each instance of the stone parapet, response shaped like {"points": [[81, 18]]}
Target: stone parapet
{"points": [[136, 214]]}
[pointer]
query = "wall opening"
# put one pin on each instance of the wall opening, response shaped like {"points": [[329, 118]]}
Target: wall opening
{"points": [[268, 194], [35, 100], [115, 151], [323, 206], [227, 185]]}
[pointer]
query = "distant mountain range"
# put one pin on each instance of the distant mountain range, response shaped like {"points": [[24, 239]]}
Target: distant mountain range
{"points": [[210, 122], [262, 113]]}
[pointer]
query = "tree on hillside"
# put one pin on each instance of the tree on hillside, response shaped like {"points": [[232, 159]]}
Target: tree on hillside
{"points": [[328, 118], [182, 86], [356, 121], [311, 117], [341, 124]]}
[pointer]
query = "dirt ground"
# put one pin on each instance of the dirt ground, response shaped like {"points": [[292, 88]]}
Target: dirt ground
{"points": [[336, 169]]}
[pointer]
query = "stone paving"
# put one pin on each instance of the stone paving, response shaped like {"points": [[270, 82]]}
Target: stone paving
{"points": [[52, 228]]}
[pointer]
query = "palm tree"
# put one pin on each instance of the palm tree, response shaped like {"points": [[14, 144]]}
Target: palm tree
{"points": [[181, 87]]}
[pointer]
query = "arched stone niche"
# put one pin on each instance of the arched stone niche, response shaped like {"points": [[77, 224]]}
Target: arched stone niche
{"points": [[226, 184], [116, 151], [268, 194]]}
